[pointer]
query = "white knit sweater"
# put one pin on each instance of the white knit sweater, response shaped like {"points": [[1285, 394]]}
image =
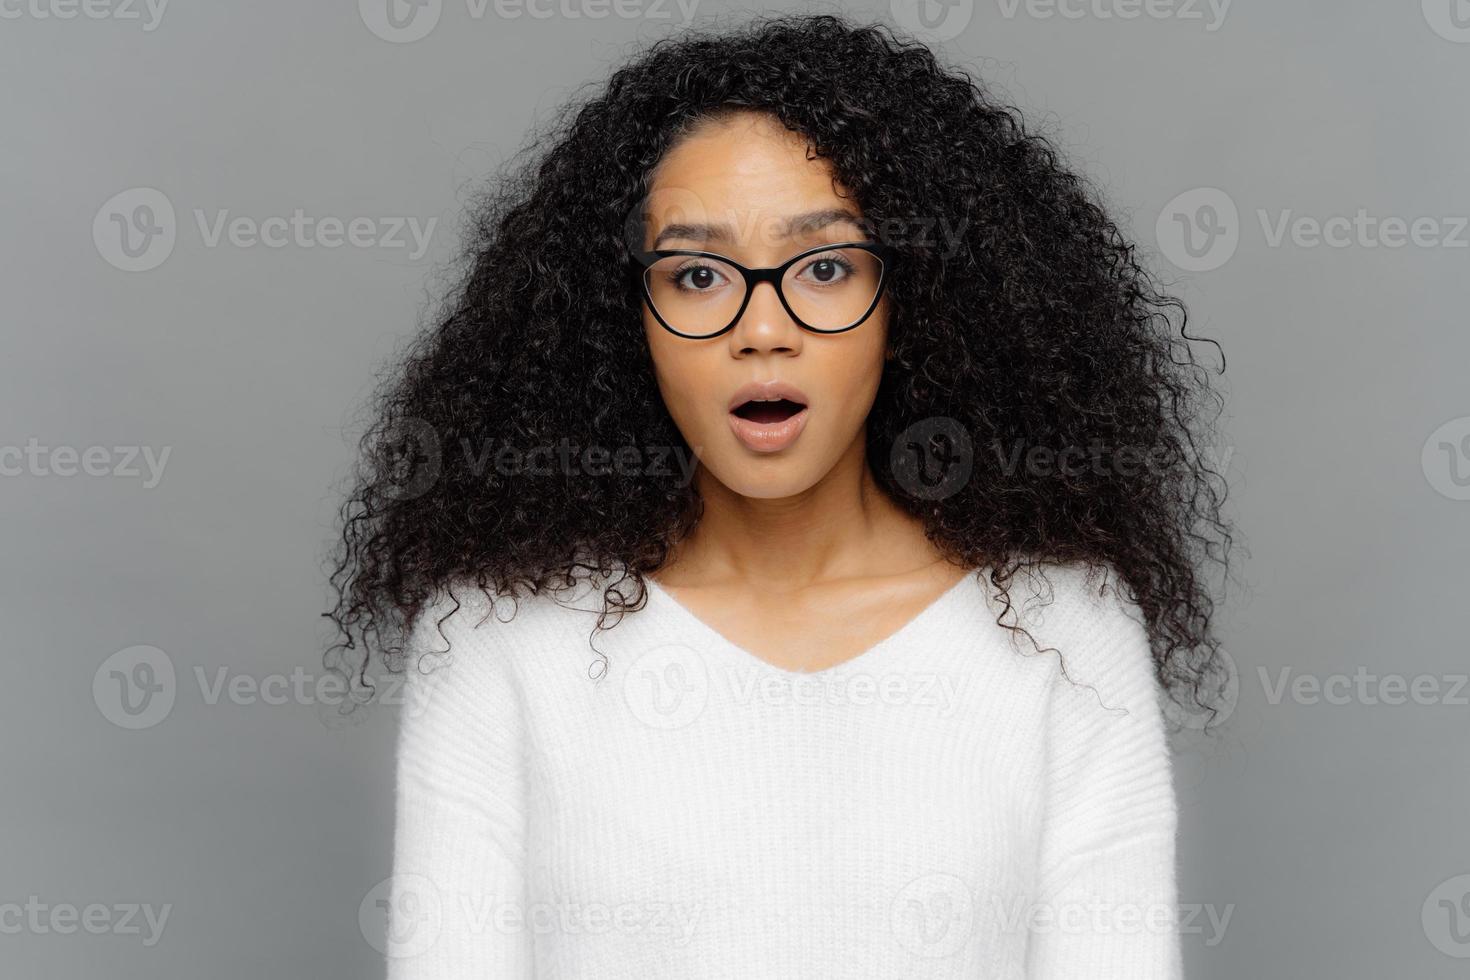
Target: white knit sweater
{"points": [[946, 804]]}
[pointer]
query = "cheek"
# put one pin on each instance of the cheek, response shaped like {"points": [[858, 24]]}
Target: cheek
{"points": [[853, 383], [683, 375], [854, 369]]}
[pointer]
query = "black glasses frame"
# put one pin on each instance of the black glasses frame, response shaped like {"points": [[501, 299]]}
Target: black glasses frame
{"points": [[772, 274]]}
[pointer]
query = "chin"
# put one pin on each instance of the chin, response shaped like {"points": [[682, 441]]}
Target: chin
{"points": [[764, 477]]}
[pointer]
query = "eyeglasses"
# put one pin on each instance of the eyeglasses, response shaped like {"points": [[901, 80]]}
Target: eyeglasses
{"points": [[827, 289]]}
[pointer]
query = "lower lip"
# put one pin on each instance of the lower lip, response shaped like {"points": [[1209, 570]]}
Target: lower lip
{"points": [[768, 437]]}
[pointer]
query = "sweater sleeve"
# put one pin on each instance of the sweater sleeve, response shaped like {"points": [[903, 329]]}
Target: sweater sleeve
{"points": [[1107, 902], [457, 890]]}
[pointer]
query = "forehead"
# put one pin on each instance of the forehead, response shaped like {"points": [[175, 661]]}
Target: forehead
{"points": [[746, 178], [741, 145]]}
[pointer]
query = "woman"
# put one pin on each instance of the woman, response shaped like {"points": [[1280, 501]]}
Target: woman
{"points": [[792, 520]]}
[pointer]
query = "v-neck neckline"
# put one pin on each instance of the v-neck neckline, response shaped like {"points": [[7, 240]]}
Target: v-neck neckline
{"points": [[865, 658]]}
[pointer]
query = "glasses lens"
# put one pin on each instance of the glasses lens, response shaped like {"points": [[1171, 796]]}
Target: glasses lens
{"points": [[833, 289], [694, 294]]}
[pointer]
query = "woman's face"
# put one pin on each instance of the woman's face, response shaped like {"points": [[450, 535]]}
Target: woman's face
{"points": [[743, 187]]}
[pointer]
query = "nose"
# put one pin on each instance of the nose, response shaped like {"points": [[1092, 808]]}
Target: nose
{"points": [[765, 326]]}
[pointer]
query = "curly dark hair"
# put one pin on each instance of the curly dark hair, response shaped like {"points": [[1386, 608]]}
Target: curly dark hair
{"points": [[1030, 327]]}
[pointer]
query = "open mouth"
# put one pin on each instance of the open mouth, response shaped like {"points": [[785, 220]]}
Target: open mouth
{"points": [[768, 412], [768, 416]]}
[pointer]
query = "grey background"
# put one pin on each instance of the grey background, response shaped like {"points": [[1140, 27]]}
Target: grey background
{"points": [[1328, 832]]}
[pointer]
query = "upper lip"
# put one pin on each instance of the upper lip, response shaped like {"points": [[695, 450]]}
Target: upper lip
{"points": [[766, 391]]}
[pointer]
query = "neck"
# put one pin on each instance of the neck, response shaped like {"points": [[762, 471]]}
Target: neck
{"points": [[842, 526]]}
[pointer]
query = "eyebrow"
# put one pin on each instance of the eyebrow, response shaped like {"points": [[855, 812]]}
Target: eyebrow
{"points": [[799, 224]]}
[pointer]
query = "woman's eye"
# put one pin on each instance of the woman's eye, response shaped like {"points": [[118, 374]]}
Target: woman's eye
{"points": [[697, 278], [827, 270]]}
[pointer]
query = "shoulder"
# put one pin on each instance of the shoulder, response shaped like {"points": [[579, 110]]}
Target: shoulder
{"points": [[1087, 614], [1075, 594], [463, 723], [481, 628]]}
